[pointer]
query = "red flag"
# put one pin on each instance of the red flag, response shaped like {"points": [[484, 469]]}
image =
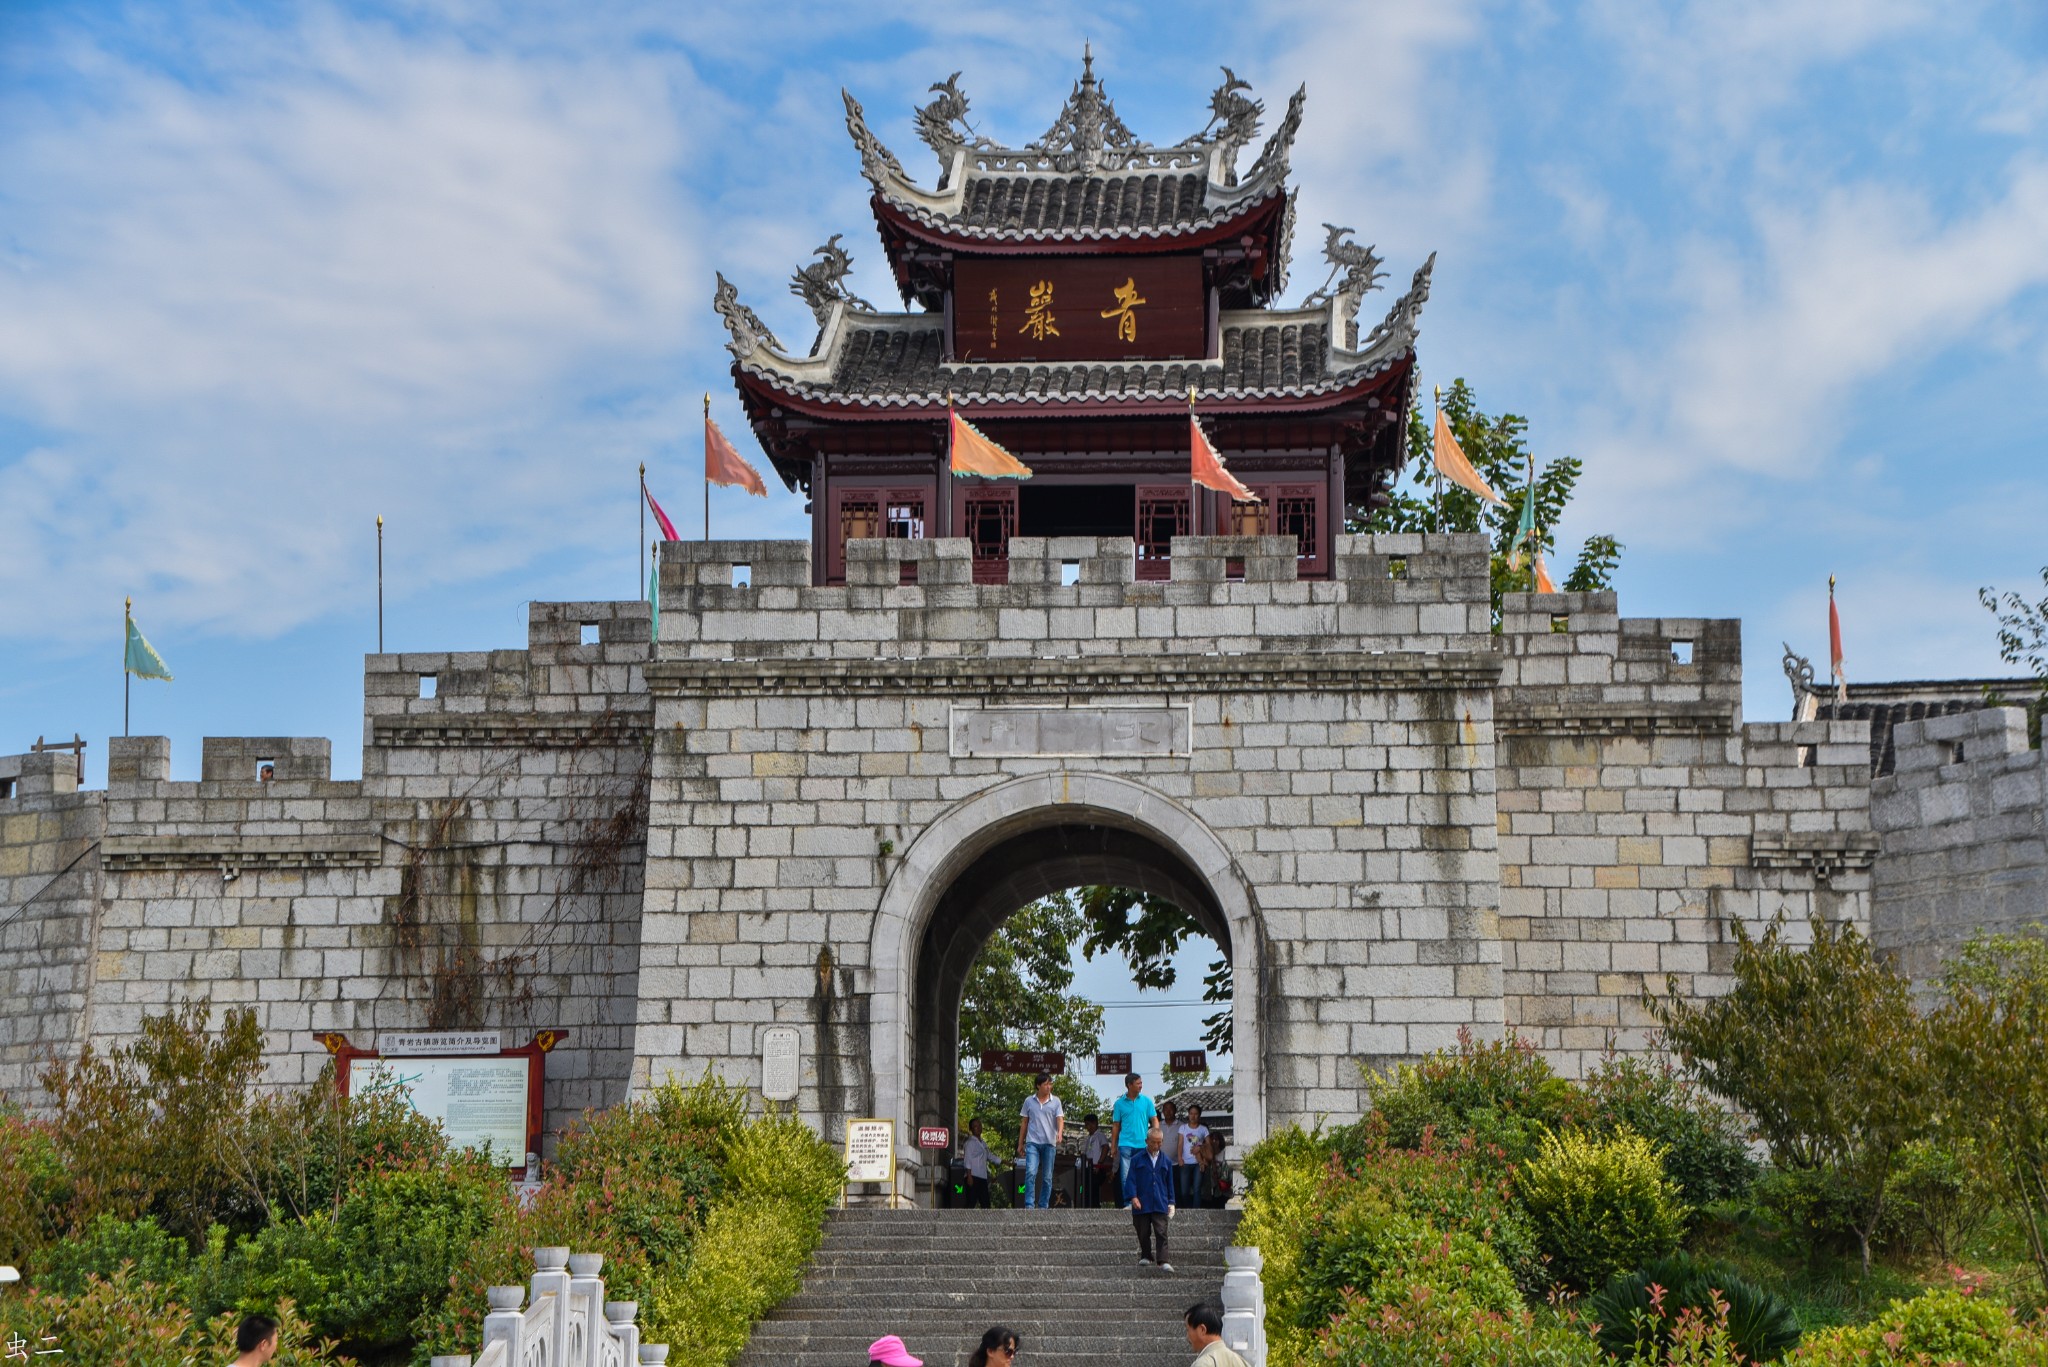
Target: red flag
{"points": [[1835, 646], [724, 465], [668, 528], [1208, 466], [973, 454]]}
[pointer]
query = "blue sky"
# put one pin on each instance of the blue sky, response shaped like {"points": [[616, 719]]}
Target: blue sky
{"points": [[1773, 269]]}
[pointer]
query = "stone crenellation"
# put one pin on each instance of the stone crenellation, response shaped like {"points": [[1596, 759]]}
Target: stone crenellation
{"points": [[793, 821]]}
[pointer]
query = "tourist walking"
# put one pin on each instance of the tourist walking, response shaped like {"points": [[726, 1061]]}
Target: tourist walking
{"points": [[1169, 1134], [1129, 1121], [1205, 1336], [998, 1348], [1038, 1139], [1148, 1186], [974, 1153], [888, 1351], [256, 1340], [1094, 1158], [1192, 1162]]}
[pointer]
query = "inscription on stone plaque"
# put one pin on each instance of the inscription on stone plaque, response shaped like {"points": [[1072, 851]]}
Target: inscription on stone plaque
{"points": [[1071, 732], [780, 1054]]}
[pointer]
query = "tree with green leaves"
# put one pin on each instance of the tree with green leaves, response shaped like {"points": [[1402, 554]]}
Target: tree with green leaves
{"points": [[2022, 628], [1823, 1049], [1019, 995], [1498, 449], [1991, 1046], [1148, 931]]}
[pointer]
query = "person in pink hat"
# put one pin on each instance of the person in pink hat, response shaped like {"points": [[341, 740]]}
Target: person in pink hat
{"points": [[888, 1351]]}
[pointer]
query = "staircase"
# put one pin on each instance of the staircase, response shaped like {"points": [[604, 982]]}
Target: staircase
{"points": [[1067, 1281]]}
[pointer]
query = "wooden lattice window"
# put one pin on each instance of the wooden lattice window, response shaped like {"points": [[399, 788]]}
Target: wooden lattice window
{"points": [[1294, 514], [989, 519], [905, 517], [1250, 519], [1164, 512], [867, 513]]}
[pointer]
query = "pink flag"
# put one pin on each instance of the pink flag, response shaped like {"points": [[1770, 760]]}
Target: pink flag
{"points": [[668, 528]]}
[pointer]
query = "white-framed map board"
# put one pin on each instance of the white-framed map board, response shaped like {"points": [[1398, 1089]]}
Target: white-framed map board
{"points": [[479, 1100]]}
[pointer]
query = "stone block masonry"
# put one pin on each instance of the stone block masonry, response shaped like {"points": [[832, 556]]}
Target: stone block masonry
{"points": [[808, 808], [1964, 819]]}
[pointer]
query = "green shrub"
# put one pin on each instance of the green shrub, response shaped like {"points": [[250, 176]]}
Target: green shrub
{"points": [[1938, 1328], [152, 1254], [1704, 1148], [1364, 1247], [123, 1321], [1443, 1328], [1281, 1208], [1453, 1189], [1817, 1206], [1937, 1198], [298, 1153], [34, 1186], [1633, 1321], [1599, 1206], [1501, 1092], [748, 1257]]}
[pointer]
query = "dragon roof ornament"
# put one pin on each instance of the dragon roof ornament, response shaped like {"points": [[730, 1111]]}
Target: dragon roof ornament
{"points": [[1398, 330], [749, 333], [822, 283], [1361, 272], [1088, 137]]}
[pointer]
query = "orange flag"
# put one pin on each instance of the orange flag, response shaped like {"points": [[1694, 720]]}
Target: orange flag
{"points": [[1452, 465], [724, 465], [1543, 584], [1208, 466], [974, 454]]}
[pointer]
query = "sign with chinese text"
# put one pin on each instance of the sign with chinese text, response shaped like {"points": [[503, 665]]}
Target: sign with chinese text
{"points": [[781, 1053], [1112, 1065], [934, 1137], [1023, 1061], [479, 1101], [396, 1044], [1188, 1061], [870, 1150], [1080, 308]]}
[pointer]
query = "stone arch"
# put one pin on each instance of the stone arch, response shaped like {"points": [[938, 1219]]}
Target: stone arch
{"points": [[988, 855]]}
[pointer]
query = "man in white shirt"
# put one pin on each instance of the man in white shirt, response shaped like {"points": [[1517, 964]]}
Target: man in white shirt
{"points": [[1205, 1336], [1038, 1139], [974, 1153], [1094, 1159], [1193, 1136]]}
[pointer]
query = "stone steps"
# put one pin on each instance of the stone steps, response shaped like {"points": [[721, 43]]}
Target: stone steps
{"points": [[1068, 1282]]}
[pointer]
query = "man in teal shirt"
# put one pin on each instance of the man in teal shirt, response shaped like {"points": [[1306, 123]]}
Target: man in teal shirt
{"points": [[1130, 1120]]}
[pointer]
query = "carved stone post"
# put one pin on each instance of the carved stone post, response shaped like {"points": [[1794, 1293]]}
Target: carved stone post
{"points": [[618, 1318], [1244, 1305], [505, 1320], [551, 1278], [586, 1289]]}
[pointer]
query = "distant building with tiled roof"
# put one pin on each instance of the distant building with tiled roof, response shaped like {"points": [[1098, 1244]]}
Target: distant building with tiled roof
{"points": [[1075, 298]]}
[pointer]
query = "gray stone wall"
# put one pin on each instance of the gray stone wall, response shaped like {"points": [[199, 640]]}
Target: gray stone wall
{"points": [[1640, 821], [49, 892], [484, 871], [1965, 826]]}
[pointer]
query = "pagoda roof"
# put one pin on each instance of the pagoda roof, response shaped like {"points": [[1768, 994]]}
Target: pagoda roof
{"points": [[1087, 179], [866, 359]]}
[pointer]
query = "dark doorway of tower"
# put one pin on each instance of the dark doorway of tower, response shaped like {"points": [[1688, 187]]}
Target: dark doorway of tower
{"points": [[967, 876]]}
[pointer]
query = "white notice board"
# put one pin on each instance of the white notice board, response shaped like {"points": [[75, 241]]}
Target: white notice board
{"points": [[480, 1100], [870, 1150]]}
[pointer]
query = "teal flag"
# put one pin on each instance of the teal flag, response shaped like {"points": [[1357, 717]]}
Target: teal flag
{"points": [[1525, 533], [142, 660], [654, 602]]}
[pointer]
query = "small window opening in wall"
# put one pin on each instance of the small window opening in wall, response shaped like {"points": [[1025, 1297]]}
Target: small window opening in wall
{"points": [[1397, 568], [906, 572], [1955, 752], [1070, 573], [1681, 652], [266, 770], [6, 788], [742, 576], [1233, 569], [1560, 623], [589, 636], [429, 683]]}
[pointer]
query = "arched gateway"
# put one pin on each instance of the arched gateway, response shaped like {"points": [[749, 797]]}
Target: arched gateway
{"points": [[1019, 841]]}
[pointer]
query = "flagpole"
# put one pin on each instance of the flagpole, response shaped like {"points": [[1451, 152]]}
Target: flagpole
{"points": [[707, 467], [643, 520], [127, 626], [380, 583], [1439, 465], [1194, 489]]}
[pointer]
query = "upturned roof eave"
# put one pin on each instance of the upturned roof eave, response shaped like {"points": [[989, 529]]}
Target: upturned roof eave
{"points": [[932, 230]]}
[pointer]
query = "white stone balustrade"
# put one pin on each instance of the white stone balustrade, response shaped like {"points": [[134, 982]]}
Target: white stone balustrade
{"points": [[1244, 1304], [564, 1322]]}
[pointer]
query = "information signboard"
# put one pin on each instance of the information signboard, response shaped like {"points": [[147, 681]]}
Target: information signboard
{"points": [[1112, 1065], [870, 1150], [781, 1059], [934, 1137], [479, 1099], [1188, 1061], [1023, 1061]]}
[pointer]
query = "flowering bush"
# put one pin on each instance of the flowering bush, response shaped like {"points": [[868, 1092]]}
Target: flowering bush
{"points": [[1934, 1330], [1443, 1328]]}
